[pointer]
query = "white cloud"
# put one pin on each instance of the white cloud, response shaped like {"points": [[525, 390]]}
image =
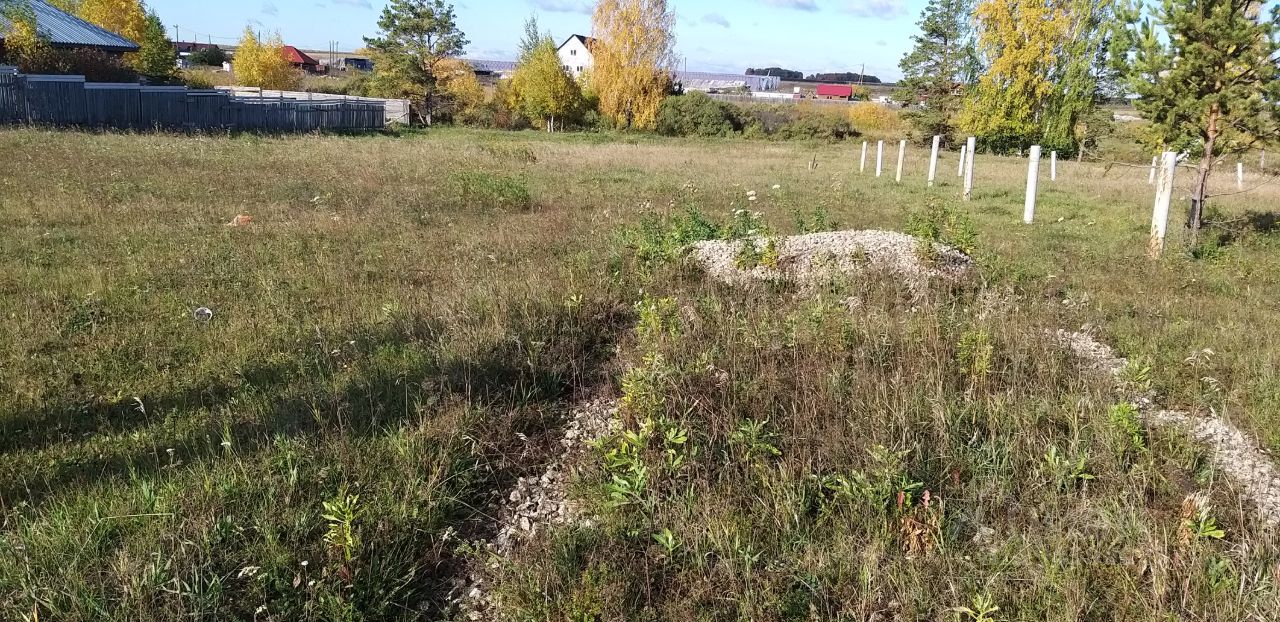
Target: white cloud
{"points": [[799, 5], [881, 9], [715, 18], [270, 9], [563, 6]]}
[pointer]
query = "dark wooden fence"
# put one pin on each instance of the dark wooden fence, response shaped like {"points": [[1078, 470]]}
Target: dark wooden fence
{"points": [[70, 101]]}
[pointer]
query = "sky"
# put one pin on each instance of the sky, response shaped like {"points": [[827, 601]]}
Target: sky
{"points": [[806, 35]]}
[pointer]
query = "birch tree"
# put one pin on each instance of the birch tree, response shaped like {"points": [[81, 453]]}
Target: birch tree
{"points": [[633, 50]]}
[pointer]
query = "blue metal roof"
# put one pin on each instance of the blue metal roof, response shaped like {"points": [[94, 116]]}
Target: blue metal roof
{"points": [[63, 29]]}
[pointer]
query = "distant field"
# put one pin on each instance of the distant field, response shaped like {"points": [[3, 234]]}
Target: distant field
{"points": [[398, 332]]}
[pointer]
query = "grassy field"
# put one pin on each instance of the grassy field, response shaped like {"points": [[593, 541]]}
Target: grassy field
{"points": [[397, 334]]}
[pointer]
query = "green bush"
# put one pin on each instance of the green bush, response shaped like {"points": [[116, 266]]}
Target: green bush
{"points": [[696, 114], [210, 56], [489, 191]]}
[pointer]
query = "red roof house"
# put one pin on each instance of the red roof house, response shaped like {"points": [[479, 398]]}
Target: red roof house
{"points": [[300, 60], [834, 91]]}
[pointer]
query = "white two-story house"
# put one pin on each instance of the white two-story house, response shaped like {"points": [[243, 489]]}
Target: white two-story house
{"points": [[575, 55]]}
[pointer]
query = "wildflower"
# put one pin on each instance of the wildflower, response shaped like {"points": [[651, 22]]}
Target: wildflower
{"points": [[751, 198], [751, 193], [305, 563], [226, 444], [777, 186]]}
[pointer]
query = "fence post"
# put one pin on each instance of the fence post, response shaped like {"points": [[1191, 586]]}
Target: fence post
{"points": [[968, 168], [1053, 166], [1151, 179], [862, 164], [902, 154], [1033, 174], [1239, 175], [960, 168], [1164, 195], [933, 160], [879, 157]]}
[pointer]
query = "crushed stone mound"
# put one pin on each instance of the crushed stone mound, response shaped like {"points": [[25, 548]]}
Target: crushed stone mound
{"points": [[1099, 356], [1231, 450], [812, 257], [536, 502]]}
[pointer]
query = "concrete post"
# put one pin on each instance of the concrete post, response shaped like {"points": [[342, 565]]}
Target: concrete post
{"points": [[960, 168], [862, 165], [1239, 175], [1160, 214], [902, 154], [879, 158], [1053, 166], [1033, 174], [1151, 178], [933, 160], [968, 168]]}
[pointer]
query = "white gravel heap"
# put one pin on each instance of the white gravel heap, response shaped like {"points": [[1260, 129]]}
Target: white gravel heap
{"points": [[815, 256], [535, 502], [1231, 450], [1099, 356]]}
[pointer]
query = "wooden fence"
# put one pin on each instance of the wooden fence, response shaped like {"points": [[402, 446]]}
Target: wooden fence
{"points": [[70, 101], [397, 110]]}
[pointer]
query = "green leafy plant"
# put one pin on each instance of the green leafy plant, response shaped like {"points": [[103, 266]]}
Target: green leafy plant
{"points": [[667, 541], [981, 609], [943, 223], [1202, 525], [342, 512], [754, 439], [1124, 416], [974, 352], [1067, 473]]}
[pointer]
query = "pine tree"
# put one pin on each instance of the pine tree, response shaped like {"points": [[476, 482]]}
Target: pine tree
{"points": [[633, 58], [939, 67], [529, 42], [542, 90], [414, 36], [1206, 76], [156, 58]]}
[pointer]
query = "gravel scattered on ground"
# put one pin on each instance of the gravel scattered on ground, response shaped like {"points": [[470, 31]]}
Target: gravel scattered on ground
{"points": [[812, 257], [1231, 450], [1099, 356], [536, 502], [1235, 454]]}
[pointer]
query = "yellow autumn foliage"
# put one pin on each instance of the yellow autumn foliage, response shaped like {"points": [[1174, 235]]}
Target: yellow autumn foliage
{"points": [[457, 80], [879, 119], [263, 64], [126, 18], [633, 50], [1021, 40]]}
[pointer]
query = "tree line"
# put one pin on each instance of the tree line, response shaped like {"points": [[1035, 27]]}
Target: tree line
{"points": [[26, 48]]}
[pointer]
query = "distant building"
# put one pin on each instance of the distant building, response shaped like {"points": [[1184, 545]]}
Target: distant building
{"points": [[575, 55], [357, 63], [496, 68], [299, 59], [63, 30], [834, 91]]}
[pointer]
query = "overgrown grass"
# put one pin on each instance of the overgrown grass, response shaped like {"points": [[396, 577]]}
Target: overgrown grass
{"points": [[397, 333]]}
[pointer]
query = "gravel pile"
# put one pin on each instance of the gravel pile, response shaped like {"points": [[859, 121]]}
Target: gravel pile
{"points": [[1099, 356], [816, 256], [1235, 454], [1232, 451], [538, 501]]}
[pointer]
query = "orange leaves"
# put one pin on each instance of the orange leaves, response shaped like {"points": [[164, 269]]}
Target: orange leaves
{"points": [[633, 54]]}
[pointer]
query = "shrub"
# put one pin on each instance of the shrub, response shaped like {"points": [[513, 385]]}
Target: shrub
{"points": [[197, 81], [875, 118], [491, 191], [210, 56], [696, 114], [943, 223]]}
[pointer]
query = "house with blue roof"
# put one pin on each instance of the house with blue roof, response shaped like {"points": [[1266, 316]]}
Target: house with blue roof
{"points": [[65, 31]]}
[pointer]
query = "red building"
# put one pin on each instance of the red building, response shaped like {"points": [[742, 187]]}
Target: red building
{"points": [[834, 91], [301, 60]]}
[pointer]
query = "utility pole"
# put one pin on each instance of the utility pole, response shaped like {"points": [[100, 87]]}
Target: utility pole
{"points": [[176, 38]]}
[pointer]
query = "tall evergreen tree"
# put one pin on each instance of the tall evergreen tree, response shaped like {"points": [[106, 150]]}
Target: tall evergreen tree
{"points": [[937, 70], [1206, 76], [413, 37]]}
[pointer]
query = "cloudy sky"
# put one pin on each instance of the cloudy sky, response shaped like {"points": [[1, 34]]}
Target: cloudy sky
{"points": [[713, 35]]}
